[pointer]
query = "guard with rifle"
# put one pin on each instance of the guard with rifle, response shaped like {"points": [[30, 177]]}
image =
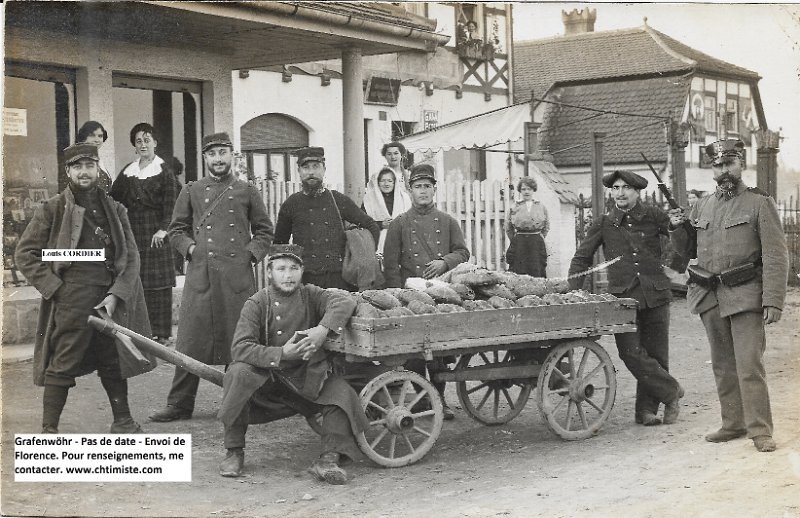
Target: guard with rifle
{"points": [[737, 286], [633, 231]]}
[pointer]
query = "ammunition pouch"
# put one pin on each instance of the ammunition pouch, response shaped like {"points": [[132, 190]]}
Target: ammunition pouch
{"points": [[730, 277], [701, 277]]}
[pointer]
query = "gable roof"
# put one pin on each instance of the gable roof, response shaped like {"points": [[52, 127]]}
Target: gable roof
{"points": [[600, 56], [654, 99]]}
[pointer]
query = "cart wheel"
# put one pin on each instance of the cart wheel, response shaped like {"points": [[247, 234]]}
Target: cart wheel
{"points": [[405, 413], [577, 387], [494, 401]]}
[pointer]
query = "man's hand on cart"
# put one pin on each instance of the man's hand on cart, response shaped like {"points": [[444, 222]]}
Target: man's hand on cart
{"points": [[305, 343], [434, 269]]}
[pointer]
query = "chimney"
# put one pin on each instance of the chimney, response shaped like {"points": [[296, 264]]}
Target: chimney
{"points": [[578, 22]]}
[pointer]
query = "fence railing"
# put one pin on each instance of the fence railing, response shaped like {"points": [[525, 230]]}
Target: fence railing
{"points": [[789, 212], [479, 207]]}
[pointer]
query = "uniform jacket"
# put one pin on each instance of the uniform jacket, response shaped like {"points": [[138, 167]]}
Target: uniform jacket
{"points": [[252, 345], [636, 236], [57, 223], [227, 221], [313, 223], [727, 233], [405, 255]]}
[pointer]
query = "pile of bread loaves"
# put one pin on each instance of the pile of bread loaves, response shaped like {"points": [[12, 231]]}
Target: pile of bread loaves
{"points": [[475, 290]]}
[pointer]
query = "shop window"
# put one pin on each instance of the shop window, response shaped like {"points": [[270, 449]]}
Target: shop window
{"points": [[710, 111], [732, 115], [268, 142], [39, 122]]}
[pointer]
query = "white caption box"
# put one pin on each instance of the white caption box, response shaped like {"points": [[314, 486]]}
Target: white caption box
{"points": [[69, 254], [103, 458]]}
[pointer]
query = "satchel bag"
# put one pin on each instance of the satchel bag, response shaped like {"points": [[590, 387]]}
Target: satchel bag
{"points": [[360, 265]]}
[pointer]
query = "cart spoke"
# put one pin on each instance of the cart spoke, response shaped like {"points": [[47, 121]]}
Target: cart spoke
{"points": [[483, 401], [581, 415], [379, 438], [477, 387], [378, 422], [584, 359], [425, 413], [593, 405], [392, 444], [423, 432], [417, 399], [388, 396], [592, 374], [408, 443], [571, 354], [559, 391], [496, 402], [496, 355], [376, 405], [508, 398], [568, 425], [560, 403], [401, 400]]}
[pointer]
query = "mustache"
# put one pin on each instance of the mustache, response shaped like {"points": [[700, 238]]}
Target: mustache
{"points": [[727, 178]]}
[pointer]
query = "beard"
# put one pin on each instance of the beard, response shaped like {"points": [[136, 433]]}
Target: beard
{"points": [[311, 185], [77, 187], [728, 182], [285, 290], [225, 171]]}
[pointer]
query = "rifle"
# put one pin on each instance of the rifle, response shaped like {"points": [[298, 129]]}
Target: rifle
{"points": [[662, 186], [677, 262]]}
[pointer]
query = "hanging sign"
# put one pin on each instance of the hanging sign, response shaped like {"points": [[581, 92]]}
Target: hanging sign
{"points": [[430, 119]]}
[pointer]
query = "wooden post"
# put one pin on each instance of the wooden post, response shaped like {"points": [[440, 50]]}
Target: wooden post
{"points": [[598, 198], [767, 161], [353, 123], [678, 142]]}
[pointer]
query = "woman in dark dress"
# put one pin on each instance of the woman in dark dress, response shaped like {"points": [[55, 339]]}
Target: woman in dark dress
{"points": [[148, 189], [527, 224]]}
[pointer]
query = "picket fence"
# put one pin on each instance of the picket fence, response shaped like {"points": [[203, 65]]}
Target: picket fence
{"points": [[479, 207], [789, 212]]}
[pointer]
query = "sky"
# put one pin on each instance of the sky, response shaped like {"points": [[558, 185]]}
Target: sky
{"points": [[764, 38]]}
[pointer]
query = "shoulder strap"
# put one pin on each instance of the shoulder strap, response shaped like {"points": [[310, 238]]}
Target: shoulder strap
{"points": [[336, 206], [213, 204]]}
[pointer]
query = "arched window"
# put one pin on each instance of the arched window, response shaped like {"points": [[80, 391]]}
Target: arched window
{"points": [[268, 140]]}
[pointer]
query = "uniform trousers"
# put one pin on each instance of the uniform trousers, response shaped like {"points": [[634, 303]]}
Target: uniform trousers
{"points": [[737, 351], [184, 390], [273, 401], [77, 348], [646, 354]]}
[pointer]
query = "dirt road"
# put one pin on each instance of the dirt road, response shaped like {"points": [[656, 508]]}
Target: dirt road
{"points": [[517, 469]]}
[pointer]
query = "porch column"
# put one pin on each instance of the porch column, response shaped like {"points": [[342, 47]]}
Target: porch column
{"points": [[598, 279], [94, 94], [353, 123]]}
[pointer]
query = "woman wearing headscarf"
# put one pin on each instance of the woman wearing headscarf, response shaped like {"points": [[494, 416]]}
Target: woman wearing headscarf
{"points": [[92, 132], [527, 225], [147, 187], [384, 200]]}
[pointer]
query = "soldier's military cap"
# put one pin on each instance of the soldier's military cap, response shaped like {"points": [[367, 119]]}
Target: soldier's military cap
{"points": [[310, 154], [217, 139], [77, 151], [422, 172], [721, 149], [632, 179], [291, 251]]}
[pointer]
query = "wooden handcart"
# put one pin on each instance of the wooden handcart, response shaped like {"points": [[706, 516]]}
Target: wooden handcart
{"points": [[503, 355]]}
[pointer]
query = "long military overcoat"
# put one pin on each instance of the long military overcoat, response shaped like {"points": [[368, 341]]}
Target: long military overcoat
{"points": [[57, 223], [227, 221]]}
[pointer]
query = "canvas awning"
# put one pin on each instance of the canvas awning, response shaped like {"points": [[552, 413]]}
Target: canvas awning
{"points": [[477, 132]]}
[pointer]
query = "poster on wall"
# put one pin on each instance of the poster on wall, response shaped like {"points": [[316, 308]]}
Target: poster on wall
{"points": [[15, 122]]}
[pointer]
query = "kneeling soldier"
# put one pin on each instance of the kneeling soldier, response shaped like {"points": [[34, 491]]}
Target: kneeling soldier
{"points": [[279, 368]]}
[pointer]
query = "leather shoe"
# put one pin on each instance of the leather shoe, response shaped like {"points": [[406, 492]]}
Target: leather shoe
{"points": [[125, 425], [723, 435], [764, 443], [447, 412], [48, 428], [233, 463], [170, 413], [647, 419], [326, 468], [673, 408]]}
